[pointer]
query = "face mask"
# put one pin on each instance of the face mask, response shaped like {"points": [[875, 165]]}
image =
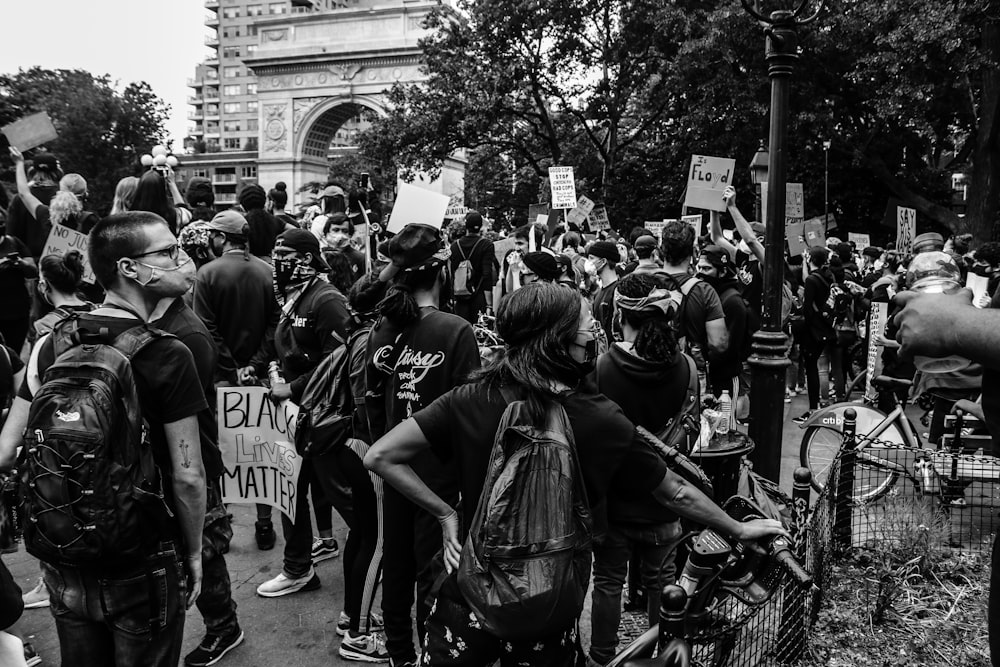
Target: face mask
{"points": [[590, 267], [591, 350], [878, 264], [984, 271], [172, 282], [338, 240], [284, 269]]}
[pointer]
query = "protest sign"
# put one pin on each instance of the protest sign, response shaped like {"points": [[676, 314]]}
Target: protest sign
{"points": [[794, 202], [656, 226], [30, 132], [906, 228], [694, 221], [416, 205], [795, 235], [542, 219], [707, 178], [860, 241], [815, 233], [536, 210], [980, 289], [580, 212], [502, 247], [598, 219], [453, 212], [257, 438], [63, 239], [876, 326], [563, 187]]}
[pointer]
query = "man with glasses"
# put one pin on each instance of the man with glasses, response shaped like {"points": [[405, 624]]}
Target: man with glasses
{"points": [[135, 615]]}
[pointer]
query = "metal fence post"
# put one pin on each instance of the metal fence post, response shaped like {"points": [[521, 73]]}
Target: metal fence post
{"points": [[795, 611], [843, 504]]}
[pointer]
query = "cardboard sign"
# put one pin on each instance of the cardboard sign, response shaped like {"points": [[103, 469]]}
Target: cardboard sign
{"points": [[598, 219], [794, 202], [980, 289], [257, 438], [580, 212], [860, 241], [536, 210], [63, 239], [906, 228], [502, 247], [814, 232], [30, 132], [707, 178], [694, 221], [456, 212], [563, 187], [416, 205], [876, 326], [542, 219], [656, 227], [795, 234]]}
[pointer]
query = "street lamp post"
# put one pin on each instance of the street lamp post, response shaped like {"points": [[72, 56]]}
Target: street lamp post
{"points": [[826, 188], [758, 176], [769, 358]]}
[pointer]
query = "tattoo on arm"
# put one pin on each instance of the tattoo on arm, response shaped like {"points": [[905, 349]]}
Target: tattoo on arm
{"points": [[185, 453]]}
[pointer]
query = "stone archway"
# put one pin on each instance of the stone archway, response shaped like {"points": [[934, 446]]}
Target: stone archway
{"points": [[315, 71]]}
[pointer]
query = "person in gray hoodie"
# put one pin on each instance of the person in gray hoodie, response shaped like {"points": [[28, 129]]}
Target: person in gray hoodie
{"points": [[647, 376]]}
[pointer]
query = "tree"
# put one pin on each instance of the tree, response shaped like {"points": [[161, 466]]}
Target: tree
{"points": [[102, 131]]}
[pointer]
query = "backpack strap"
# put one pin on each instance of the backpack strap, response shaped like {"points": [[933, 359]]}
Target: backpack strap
{"points": [[133, 341], [689, 284]]}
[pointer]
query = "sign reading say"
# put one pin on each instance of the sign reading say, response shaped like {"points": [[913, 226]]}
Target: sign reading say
{"points": [[563, 187], [906, 228], [707, 178], [258, 452], [63, 239]]}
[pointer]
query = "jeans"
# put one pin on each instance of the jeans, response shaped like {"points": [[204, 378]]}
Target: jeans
{"points": [[321, 470], [812, 349], [362, 553], [656, 546], [128, 619], [216, 599]]}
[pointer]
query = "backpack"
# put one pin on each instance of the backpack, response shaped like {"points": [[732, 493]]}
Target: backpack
{"points": [[462, 283], [682, 430], [839, 306], [525, 565], [93, 493], [684, 288], [326, 409]]}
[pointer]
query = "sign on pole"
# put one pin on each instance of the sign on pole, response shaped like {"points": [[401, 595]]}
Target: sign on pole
{"points": [[63, 239], [656, 227], [795, 235], [876, 325], [815, 233], [707, 178], [695, 221], [598, 219], [580, 212], [906, 228], [860, 241], [563, 187], [30, 132], [257, 440], [416, 205]]}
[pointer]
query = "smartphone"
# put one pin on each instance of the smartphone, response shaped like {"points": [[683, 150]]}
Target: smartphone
{"points": [[364, 180]]}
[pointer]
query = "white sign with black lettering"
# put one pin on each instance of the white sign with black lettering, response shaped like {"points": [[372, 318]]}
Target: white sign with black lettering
{"points": [[563, 187]]}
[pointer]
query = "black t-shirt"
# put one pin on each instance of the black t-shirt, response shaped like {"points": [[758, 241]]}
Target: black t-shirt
{"points": [[14, 298], [166, 380], [751, 281], [699, 306], [604, 307], [461, 426], [23, 226]]}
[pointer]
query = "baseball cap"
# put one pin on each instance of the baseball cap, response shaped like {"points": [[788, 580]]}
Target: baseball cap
{"points": [[719, 259], [302, 240], [229, 222], [332, 191]]}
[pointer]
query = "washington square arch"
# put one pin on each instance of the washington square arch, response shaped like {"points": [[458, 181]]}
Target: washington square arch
{"points": [[317, 71]]}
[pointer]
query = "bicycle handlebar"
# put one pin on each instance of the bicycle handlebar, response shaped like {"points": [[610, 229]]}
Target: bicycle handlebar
{"points": [[782, 554]]}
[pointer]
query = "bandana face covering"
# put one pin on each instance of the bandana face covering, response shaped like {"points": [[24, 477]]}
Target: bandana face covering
{"points": [[660, 299]]}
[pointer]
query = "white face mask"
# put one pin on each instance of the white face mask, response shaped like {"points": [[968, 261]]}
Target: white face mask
{"points": [[337, 239], [878, 264], [590, 267]]}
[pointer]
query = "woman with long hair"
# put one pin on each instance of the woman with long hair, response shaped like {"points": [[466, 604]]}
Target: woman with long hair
{"points": [[551, 343], [124, 195], [649, 377], [151, 195]]}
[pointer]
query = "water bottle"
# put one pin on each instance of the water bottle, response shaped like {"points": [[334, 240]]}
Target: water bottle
{"points": [[274, 374], [725, 411]]}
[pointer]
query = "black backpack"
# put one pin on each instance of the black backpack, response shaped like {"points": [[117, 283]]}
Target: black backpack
{"points": [[525, 565], [92, 492]]}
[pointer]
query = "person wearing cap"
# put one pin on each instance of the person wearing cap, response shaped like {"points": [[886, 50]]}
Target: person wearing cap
{"points": [[483, 274], [870, 268], [818, 334], [42, 182], [539, 265], [332, 199], [602, 258], [645, 252], [928, 242], [725, 370], [263, 227], [313, 322], [234, 297], [416, 353]]}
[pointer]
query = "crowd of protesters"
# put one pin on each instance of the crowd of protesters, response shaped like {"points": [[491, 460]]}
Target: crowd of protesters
{"points": [[610, 329]]}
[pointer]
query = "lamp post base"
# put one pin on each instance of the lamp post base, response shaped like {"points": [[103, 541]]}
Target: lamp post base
{"points": [[767, 401]]}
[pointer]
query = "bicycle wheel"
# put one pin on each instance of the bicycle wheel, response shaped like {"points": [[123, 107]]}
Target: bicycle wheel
{"points": [[819, 449]]}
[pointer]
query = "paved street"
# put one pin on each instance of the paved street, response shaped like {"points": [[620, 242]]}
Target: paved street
{"points": [[295, 631]]}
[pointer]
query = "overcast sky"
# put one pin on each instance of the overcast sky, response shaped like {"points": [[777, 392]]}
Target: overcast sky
{"points": [[132, 40]]}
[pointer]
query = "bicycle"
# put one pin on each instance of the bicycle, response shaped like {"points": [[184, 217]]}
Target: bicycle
{"points": [[721, 586]]}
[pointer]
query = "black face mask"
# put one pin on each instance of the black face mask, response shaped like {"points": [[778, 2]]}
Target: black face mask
{"points": [[984, 271], [284, 270], [591, 350]]}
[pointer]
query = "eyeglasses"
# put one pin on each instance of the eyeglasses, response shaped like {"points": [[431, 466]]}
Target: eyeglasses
{"points": [[170, 251]]}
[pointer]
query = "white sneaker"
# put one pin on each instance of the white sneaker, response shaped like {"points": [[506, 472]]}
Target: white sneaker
{"points": [[363, 648], [37, 597], [284, 585]]}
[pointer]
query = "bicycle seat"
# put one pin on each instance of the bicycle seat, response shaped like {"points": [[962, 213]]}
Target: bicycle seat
{"points": [[889, 383]]}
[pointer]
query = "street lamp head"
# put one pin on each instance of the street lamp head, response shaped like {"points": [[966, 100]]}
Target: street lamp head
{"points": [[826, 145], [758, 165]]}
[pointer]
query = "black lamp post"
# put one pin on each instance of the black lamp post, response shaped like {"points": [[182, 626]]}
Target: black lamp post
{"points": [[826, 188], [758, 176], [769, 360]]}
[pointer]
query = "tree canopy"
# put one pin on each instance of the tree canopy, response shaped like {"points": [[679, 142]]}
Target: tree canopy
{"points": [[906, 91], [102, 130]]}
